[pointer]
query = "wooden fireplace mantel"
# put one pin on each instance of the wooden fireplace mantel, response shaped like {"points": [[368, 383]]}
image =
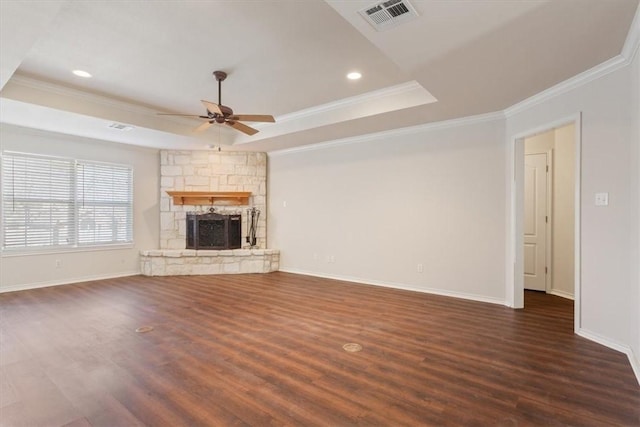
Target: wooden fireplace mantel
{"points": [[210, 197]]}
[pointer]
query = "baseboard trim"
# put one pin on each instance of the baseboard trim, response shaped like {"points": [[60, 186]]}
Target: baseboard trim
{"points": [[633, 360], [47, 284], [394, 285], [562, 294]]}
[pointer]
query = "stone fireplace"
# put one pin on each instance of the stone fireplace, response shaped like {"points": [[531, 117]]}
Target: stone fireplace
{"points": [[210, 172]]}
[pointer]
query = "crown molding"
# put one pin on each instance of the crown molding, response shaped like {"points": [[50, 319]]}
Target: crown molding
{"points": [[627, 55], [58, 89], [574, 82], [632, 43], [351, 101], [411, 130]]}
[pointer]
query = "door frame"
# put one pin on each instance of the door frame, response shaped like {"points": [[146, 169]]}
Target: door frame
{"points": [[515, 195]]}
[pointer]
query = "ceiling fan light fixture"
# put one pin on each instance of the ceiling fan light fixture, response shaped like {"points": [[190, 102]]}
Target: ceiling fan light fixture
{"points": [[221, 114], [354, 75]]}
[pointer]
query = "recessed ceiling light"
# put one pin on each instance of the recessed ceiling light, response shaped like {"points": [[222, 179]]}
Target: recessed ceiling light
{"points": [[354, 75], [81, 73]]}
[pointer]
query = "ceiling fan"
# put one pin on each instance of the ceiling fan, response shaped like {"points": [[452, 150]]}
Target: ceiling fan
{"points": [[218, 113]]}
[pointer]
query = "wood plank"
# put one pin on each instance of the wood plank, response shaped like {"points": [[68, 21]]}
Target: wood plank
{"points": [[266, 349]]}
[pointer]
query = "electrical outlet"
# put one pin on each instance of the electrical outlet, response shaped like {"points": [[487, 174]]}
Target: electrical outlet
{"points": [[602, 199], [58, 263], [420, 268], [332, 259]]}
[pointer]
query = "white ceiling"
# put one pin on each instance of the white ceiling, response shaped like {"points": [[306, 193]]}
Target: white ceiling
{"points": [[287, 58]]}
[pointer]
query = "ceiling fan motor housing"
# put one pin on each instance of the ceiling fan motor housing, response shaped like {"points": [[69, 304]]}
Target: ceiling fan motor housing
{"points": [[226, 112]]}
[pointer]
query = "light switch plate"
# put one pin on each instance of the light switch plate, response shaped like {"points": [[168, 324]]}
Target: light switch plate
{"points": [[602, 199]]}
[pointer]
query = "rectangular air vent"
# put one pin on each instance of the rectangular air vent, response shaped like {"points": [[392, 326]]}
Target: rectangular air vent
{"points": [[120, 126], [388, 14]]}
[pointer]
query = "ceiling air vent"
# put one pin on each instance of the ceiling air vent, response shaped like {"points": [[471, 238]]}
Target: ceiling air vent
{"points": [[388, 14], [120, 126]]}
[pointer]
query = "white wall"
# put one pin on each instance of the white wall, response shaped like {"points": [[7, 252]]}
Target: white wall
{"points": [[437, 197], [609, 310], [26, 271], [381, 207]]}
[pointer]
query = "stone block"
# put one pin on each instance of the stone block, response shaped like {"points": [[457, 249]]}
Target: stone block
{"points": [[165, 204], [200, 157], [214, 182], [170, 171], [234, 159], [240, 252], [197, 180], [203, 171], [188, 170], [167, 221], [207, 253], [175, 244], [173, 254], [175, 270], [167, 182], [231, 268], [253, 188], [238, 180], [224, 169], [207, 269], [181, 159]]}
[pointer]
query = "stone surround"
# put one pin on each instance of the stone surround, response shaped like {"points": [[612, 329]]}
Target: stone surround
{"points": [[205, 170], [171, 262], [202, 170]]}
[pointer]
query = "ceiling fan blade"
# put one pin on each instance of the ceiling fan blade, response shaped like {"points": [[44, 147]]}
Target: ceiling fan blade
{"points": [[203, 126], [214, 108], [253, 118], [242, 127]]}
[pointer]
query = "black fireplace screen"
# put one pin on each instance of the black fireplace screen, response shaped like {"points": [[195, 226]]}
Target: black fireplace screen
{"points": [[213, 231]]}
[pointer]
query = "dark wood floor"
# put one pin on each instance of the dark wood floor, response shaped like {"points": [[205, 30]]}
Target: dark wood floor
{"points": [[267, 350]]}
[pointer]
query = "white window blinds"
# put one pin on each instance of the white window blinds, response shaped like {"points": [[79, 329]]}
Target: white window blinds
{"points": [[50, 202], [104, 203]]}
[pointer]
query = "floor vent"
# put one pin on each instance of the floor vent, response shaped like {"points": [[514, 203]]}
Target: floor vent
{"points": [[388, 14], [352, 347]]}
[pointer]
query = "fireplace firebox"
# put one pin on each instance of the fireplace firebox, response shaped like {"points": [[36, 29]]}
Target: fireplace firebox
{"points": [[213, 231]]}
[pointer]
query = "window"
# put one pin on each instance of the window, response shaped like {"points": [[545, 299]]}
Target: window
{"points": [[58, 203]]}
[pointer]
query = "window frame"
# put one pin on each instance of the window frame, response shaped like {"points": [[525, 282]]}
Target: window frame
{"points": [[76, 205]]}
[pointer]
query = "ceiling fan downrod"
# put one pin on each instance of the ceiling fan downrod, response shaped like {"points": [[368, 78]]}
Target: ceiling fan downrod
{"points": [[220, 76]]}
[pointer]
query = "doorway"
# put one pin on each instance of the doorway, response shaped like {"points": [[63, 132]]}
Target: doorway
{"points": [[545, 230], [537, 229]]}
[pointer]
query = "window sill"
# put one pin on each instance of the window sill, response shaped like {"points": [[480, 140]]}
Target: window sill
{"points": [[20, 253]]}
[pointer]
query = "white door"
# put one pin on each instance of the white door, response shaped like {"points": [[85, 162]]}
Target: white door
{"points": [[535, 221]]}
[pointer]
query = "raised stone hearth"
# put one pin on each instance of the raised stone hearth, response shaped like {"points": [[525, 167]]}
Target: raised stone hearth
{"points": [[176, 262]]}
